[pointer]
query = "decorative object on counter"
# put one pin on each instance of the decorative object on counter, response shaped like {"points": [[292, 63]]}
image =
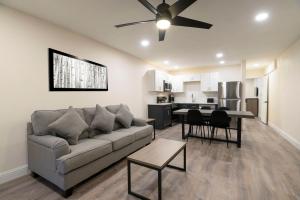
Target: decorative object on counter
{"points": [[70, 73], [161, 99]]}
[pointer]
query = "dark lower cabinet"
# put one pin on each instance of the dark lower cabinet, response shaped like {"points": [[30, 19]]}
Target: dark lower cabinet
{"points": [[162, 115]]}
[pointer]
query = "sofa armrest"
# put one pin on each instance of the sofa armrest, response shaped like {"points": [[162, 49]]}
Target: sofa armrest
{"points": [[58, 146], [139, 122], [43, 152]]}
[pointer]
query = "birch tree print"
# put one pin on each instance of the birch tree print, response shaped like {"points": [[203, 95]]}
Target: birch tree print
{"points": [[73, 73]]}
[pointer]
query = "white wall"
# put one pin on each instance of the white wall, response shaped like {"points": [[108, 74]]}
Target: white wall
{"points": [[24, 43], [284, 96]]}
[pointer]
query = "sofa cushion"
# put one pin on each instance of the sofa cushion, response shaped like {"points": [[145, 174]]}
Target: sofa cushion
{"points": [[139, 132], [69, 126], [103, 120], [124, 116], [86, 151], [118, 138], [42, 118]]}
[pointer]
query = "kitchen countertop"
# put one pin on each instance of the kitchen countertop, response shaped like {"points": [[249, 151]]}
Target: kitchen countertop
{"points": [[202, 103], [159, 104]]}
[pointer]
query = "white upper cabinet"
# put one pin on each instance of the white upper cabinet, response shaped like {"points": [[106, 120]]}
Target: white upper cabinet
{"points": [[177, 84], [191, 77], [209, 82], [156, 80]]}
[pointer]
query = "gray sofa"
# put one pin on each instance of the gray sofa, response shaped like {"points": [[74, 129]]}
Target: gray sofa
{"points": [[67, 165]]}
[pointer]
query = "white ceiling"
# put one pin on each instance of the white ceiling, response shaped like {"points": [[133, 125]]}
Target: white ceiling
{"points": [[235, 33]]}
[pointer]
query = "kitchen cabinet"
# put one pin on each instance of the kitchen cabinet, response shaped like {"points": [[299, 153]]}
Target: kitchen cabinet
{"points": [[162, 113], [156, 80], [191, 77], [177, 84], [209, 82]]}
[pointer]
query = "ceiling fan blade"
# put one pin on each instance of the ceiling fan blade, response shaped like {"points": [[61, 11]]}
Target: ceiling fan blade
{"points": [[149, 6], [183, 21], [162, 34], [180, 6], [134, 23]]}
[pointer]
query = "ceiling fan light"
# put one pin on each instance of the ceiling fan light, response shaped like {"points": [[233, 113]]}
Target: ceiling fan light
{"points": [[163, 24]]}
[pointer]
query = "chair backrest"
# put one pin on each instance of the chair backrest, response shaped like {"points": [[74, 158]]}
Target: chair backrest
{"points": [[223, 108], [205, 107], [194, 117], [219, 118]]}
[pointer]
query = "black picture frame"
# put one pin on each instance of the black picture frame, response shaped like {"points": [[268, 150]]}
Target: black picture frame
{"points": [[52, 86]]}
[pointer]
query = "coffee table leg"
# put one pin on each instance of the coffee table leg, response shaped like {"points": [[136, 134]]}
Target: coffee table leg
{"points": [[129, 176], [159, 184]]}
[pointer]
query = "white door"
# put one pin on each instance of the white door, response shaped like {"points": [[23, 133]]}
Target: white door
{"points": [[264, 98]]}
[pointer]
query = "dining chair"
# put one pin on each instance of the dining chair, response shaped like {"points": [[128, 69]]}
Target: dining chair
{"points": [[219, 119], [195, 118], [225, 108]]}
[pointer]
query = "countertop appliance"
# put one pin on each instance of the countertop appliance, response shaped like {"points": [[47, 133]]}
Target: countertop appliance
{"points": [[167, 86], [161, 99], [171, 98], [229, 95], [210, 100]]}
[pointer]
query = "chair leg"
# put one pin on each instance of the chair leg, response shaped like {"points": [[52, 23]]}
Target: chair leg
{"points": [[203, 131], [212, 134], [226, 131]]}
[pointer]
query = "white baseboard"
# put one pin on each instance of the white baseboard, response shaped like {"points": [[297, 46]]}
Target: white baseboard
{"points": [[285, 135], [13, 174]]}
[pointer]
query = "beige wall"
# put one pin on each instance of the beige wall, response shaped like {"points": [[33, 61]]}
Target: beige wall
{"points": [[255, 73], [24, 43], [226, 73], [285, 94]]}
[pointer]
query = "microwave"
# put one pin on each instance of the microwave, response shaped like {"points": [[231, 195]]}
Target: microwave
{"points": [[167, 87]]}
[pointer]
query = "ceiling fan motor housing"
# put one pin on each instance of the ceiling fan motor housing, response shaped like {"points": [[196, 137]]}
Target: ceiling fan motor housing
{"points": [[163, 12]]}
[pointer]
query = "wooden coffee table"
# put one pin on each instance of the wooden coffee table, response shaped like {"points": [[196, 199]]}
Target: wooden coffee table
{"points": [[156, 156]]}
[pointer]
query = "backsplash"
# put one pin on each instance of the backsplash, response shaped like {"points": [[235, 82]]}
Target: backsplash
{"points": [[193, 93]]}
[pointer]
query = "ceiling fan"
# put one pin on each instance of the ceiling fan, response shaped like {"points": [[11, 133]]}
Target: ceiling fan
{"points": [[167, 15]]}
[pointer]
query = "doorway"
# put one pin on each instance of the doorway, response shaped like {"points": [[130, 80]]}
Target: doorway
{"points": [[264, 100]]}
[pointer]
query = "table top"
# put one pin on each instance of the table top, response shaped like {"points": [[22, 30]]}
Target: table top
{"points": [[231, 113], [150, 120], [157, 154]]}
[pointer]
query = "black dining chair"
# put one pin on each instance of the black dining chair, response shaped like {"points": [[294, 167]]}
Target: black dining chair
{"points": [[225, 108], [219, 119], [206, 118], [195, 118]]}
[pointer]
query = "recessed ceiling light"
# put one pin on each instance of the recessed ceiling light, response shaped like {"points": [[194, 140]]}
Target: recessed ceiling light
{"points": [[260, 17], [145, 43], [256, 65], [166, 62], [219, 55], [222, 62]]}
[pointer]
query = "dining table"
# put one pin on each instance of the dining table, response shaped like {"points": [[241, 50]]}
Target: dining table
{"points": [[239, 115]]}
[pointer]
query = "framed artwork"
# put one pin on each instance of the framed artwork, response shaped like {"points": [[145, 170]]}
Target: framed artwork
{"points": [[70, 73]]}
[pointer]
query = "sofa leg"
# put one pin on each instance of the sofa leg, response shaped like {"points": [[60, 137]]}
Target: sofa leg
{"points": [[34, 175], [67, 193]]}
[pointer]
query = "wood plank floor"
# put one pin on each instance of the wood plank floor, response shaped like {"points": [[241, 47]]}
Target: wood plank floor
{"points": [[266, 167]]}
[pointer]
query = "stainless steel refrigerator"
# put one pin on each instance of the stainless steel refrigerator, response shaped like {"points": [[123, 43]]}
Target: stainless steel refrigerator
{"points": [[229, 95]]}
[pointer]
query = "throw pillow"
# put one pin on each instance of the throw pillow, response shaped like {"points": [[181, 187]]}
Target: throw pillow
{"points": [[103, 120], [69, 126], [124, 116]]}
